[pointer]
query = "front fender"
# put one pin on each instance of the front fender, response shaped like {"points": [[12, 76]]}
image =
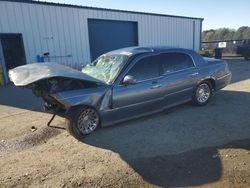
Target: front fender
{"points": [[98, 98]]}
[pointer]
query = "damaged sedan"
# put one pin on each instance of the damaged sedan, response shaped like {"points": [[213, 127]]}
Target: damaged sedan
{"points": [[123, 84]]}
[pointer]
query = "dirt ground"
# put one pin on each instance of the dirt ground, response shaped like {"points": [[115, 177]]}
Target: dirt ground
{"points": [[186, 146]]}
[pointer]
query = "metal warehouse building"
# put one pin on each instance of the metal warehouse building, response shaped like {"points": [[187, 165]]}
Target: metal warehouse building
{"points": [[75, 35]]}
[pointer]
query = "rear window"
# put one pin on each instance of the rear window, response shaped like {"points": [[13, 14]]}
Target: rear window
{"points": [[171, 62]]}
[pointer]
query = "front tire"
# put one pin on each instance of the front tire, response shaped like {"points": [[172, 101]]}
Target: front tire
{"points": [[202, 93], [82, 121]]}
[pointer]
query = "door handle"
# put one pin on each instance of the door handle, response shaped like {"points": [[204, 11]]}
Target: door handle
{"points": [[194, 74], [156, 86]]}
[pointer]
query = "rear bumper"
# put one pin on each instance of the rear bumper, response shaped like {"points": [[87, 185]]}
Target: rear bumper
{"points": [[223, 81]]}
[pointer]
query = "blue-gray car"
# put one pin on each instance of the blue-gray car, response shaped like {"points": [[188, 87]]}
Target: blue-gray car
{"points": [[123, 84]]}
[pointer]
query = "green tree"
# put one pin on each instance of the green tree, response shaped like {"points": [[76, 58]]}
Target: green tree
{"points": [[226, 34]]}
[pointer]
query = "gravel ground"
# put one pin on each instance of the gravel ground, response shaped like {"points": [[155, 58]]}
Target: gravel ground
{"points": [[184, 146]]}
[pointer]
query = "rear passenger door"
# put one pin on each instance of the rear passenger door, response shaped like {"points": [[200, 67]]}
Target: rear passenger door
{"points": [[179, 77]]}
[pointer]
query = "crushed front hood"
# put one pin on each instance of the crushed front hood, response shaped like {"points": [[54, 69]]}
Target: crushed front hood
{"points": [[27, 74]]}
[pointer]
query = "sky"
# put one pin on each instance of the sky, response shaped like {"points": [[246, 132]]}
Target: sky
{"points": [[216, 13]]}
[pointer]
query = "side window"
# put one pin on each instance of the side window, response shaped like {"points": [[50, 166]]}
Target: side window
{"points": [[171, 62], [145, 68]]}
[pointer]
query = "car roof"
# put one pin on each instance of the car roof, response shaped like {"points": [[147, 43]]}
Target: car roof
{"points": [[130, 51]]}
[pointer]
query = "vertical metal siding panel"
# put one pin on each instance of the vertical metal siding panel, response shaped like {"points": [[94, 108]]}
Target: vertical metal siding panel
{"points": [[52, 42], [158, 29], [122, 16], [165, 39], [67, 36], [86, 14], [144, 28], [151, 30], [48, 41], [5, 19], [139, 28], [34, 14], [191, 31], [54, 34], [1, 17], [12, 17], [22, 29], [113, 15], [77, 46], [169, 27], [44, 29], [28, 32], [18, 18], [150, 27], [198, 35], [162, 33], [179, 38], [58, 35], [32, 32], [184, 33], [63, 30], [174, 42], [82, 40], [189, 34], [106, 15], [147, 25], [72, 36], [173, 34]]}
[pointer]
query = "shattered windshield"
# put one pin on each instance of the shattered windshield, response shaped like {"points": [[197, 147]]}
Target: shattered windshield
{"points": [[106, 67]]}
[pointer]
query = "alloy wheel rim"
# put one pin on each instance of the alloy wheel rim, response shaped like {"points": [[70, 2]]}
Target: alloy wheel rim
{"points": [[88, 121], [203, 93]]}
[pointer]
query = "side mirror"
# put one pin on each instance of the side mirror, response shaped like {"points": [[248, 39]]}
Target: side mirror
{"points": [[128, 80]]}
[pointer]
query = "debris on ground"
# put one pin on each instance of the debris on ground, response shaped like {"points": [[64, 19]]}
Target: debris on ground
{"points": [[33, 128]]}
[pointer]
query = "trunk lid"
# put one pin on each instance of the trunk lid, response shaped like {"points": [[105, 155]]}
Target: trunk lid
{"points": [[28, 74]]}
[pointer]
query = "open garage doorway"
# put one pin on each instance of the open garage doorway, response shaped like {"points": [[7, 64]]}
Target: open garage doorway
{"points": [[11, 54]]}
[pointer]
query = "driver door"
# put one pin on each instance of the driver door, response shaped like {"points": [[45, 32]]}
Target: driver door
{"points": [[142, 97]]}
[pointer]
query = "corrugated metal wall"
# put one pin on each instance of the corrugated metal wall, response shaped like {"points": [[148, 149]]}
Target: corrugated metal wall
{"points": [[63, 31]]}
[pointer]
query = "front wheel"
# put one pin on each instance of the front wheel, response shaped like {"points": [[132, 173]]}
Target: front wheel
{"points": [[202, 93], [82, 122]]}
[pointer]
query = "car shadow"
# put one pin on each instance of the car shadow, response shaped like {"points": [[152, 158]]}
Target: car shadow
{"points": [[20, 98], [240, 69], [179, 147]]}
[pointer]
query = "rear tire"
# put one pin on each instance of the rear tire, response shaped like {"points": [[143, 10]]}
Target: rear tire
{"points": [[82, 121], [202, 94]]}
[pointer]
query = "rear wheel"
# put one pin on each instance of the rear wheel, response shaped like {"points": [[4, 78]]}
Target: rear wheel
{"points": [[82, 122], [202, 93]]}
